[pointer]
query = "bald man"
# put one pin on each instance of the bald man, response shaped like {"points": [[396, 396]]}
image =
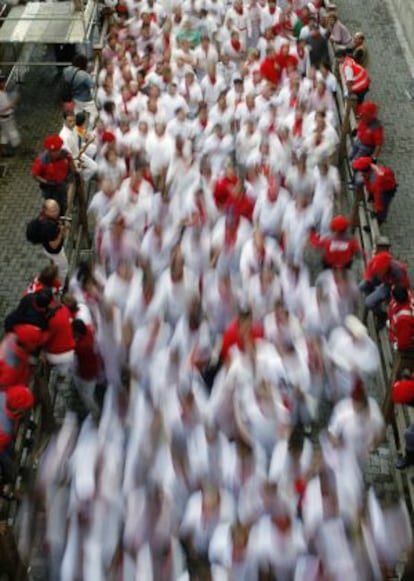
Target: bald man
{"points": [[53, 237]]}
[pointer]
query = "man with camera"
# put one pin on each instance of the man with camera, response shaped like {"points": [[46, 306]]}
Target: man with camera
{"points": [[53, 228]]}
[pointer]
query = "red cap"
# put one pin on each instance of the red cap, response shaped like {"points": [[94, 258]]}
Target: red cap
{"points": [[29, 336], [108, 137], [53, 143], [381, 262], [368, 109], [19, 397], [362, 164], [340, 223]]}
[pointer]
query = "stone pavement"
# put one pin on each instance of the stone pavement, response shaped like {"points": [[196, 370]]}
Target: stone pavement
{"points": [[20, 200]]}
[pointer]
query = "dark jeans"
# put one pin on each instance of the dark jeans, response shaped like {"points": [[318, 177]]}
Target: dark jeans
{"points": [[375, 293]]}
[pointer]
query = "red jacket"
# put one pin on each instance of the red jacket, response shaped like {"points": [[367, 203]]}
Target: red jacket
{"points": [[397, 274], [60, 338], [14, 363], [270, 71], [370, 133], [401, 323], [232, 336], [52, 170], [7, 424], [403, 391], [378, 180], [337, 252]]}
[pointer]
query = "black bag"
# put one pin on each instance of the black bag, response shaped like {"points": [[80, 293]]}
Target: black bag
{"points": [[34, 230], [66, 91]]}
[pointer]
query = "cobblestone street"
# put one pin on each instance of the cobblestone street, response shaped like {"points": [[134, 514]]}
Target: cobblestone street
{"points": [[20, 200]]}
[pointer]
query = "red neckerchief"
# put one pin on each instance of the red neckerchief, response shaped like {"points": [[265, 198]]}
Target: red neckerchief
{"points": [[239, 10], [236, 44], [297, 128], [293, 100], [212, 79]]}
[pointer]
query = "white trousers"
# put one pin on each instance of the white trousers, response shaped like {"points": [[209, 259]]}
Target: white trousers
{"points": [[8, 132], [61, 262]]}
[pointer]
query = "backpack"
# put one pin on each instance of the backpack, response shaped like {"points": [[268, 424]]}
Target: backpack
{"points": [[66, 91], [34, 230], [389, 183]]}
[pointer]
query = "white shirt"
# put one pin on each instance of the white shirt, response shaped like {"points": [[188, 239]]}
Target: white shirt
{"points": [[359, 432]]}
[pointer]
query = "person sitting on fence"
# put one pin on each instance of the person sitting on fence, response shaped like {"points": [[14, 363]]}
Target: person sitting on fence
{"points": [[33, 309], [382, 272], [54, 170], [16, 351], [380, 183], [17, 400], [369, 132], [401, 319]]}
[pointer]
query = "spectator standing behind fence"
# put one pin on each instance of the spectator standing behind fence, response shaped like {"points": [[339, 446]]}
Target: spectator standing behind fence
{"points": [[9, 134], [356, 77], [55, 169], [360, 52], [49, 230], [82, 85]]}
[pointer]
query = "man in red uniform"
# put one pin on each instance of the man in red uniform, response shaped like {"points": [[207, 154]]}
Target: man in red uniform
{"points": [[338, 249], [54, 170], [369, 132], [401, 318], [356, 77], [13, 404], [383, 271], [380, 183], [15, 351]]}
